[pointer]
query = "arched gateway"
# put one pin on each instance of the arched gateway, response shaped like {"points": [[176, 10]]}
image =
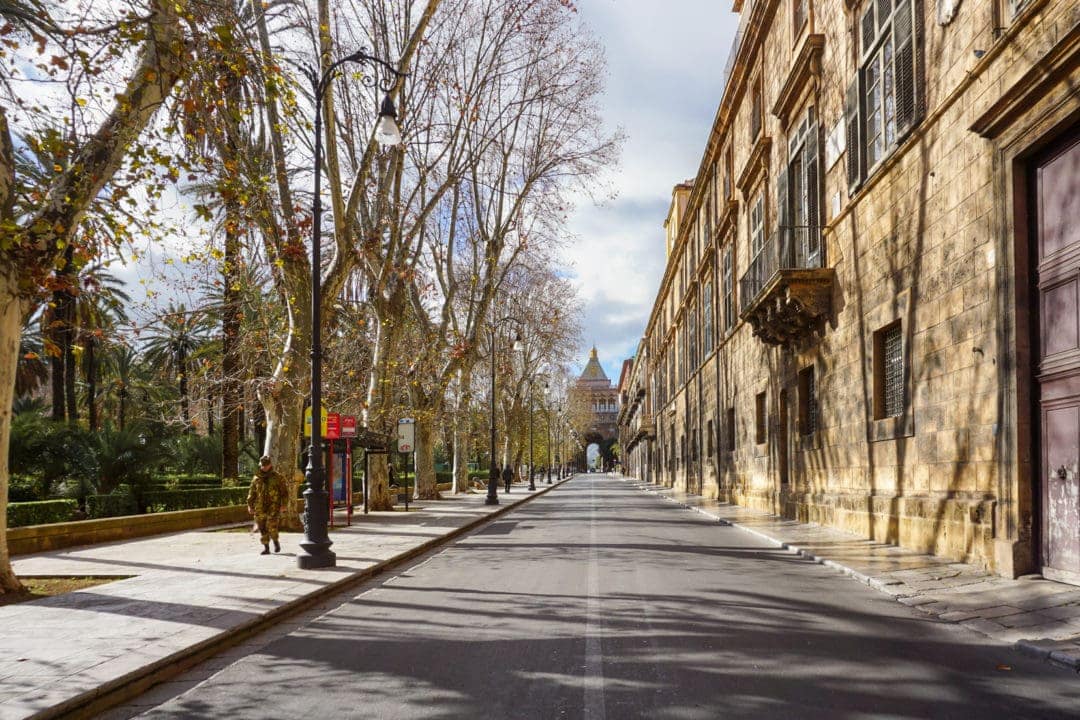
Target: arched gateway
{"points": [[594, 390]]}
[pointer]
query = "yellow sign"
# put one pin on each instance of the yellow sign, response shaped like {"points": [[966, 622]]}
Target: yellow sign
{"points": [[307, 420]]}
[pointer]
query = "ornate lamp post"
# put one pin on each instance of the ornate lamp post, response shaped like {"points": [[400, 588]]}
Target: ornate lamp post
{"points": [[547, 409], [315, 547], [493, 482], [532, 468]]}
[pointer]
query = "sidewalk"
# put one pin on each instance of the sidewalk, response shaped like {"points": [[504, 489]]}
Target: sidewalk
{"points": [[1040, 617], [188, 596]]}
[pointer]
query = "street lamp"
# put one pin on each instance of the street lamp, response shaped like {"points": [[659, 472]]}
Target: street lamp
{"points": [[493, 482], [315, 547], [532, 468], [547, 411]]}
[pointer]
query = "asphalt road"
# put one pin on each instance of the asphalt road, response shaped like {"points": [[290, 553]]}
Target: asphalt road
{"points": [[600, 601]]}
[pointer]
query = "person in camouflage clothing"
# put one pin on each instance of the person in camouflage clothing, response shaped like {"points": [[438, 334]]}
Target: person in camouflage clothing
{"points": [[266, 501]]}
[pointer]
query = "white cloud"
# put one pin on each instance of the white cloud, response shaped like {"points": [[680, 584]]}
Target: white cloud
{"points": [[665, 72]]}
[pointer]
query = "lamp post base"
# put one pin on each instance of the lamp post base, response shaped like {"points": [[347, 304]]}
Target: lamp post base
{"points": [[315, 555], [493, 492]]}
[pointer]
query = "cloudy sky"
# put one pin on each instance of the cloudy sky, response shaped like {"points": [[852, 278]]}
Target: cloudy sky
{"points": [[665, 71]]}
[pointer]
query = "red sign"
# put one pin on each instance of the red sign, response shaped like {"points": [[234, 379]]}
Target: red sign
{"points": [[333, 426], [348, 426]]}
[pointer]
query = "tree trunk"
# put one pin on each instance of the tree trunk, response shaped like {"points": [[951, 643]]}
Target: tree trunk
{"points": [[376, 413], [90, 365], [426, 483], [10, 328], [283, 404], [461, 438], [185, 414], [53, 323]]}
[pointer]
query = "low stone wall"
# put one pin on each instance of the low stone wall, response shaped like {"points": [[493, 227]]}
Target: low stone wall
{"points": [[40, 538], [959, 528]]}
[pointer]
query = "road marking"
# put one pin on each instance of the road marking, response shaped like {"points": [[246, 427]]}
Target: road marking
{"points": [[594, 654]]}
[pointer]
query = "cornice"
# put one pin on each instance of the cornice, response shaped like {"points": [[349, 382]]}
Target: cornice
{"points": [[757, 162], [805, 68], [1055, 66]]}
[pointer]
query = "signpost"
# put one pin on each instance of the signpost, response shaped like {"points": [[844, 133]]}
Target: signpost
{"points": [[307, 421], [406, 444], [348, 426], [332, 426]]}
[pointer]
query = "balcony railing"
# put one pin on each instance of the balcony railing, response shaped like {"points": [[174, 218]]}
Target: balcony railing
{"points": [[788, 248]]}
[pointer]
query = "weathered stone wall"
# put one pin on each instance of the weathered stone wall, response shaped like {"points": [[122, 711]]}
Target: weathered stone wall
{"points": [[922, 241]]}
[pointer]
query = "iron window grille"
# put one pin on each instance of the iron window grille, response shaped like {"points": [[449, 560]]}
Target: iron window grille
{"points": [[808, 407], [760, 419], [889, 371], [707, 317]]}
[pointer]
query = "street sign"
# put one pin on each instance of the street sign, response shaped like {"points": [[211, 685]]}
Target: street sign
{"points": [[332, 426], [348, 426], [406, 435], [307, 421]]}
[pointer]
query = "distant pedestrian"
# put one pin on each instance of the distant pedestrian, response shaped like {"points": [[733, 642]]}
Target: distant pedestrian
{"points": [[266, 501], [507, 477]]}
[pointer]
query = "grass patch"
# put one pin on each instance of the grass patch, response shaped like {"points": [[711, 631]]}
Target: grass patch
{"points": [[38, 587]]}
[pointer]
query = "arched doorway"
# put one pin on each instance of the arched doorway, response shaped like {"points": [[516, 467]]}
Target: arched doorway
{"points": [[593, 457]]}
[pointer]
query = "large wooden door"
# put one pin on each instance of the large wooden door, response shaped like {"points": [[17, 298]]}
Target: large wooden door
{"points": [[1057, 239]]}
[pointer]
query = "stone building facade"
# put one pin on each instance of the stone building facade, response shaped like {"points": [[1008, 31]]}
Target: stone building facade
{"points": [[870, 314], [593, 390]]}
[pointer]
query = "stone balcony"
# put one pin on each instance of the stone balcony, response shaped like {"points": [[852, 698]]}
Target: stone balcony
{"points": [[786, 293]]}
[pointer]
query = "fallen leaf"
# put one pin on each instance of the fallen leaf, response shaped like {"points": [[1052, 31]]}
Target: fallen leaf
{"points": [[1004, 667]]}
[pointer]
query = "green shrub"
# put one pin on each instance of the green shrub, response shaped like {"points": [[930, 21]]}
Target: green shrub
{"points": [[50, 451], [197, 454], [24, 488], [168, 500], [182, 481], [21, 514], [113, 505]]}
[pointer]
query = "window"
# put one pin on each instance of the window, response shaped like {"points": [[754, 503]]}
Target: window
{"points": [[889, 398], [755, 111], [707, 319], [808, 408], [798, 191], [729, 426], [760, 419], [692, 334], [684, 349], [757, 226], [729, 171], [799, 15], [729, 289], [709, 440], [880, 106]]}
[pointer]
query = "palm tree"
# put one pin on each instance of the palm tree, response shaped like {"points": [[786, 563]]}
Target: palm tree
{"points": [[170, 345], [32, 371], [99, 308]]}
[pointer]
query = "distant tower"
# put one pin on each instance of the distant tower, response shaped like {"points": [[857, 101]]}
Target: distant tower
{"points": [[603, 401]]}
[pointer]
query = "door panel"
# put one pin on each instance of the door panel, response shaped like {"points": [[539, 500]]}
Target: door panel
{"points": [[1057, 243]]}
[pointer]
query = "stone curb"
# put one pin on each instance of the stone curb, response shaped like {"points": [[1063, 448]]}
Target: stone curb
{"points": [[119, 690], [1069, 659]]}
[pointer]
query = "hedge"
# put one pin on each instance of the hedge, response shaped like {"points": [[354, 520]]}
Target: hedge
{"points": [[167, 500], [184, 482], [40, 513], [115, 505], [23, 488], [448, 477]]}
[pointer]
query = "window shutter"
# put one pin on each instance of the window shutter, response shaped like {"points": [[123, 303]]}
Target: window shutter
{"points": [[869, 30], [854, 134], [783, 220], [904, 67], [811, 162]]}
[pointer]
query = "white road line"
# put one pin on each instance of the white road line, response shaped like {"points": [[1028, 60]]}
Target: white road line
{"points": [[594, 654]]}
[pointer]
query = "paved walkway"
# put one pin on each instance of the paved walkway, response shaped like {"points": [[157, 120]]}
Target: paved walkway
{"points": [[187, 596], [1040, 617]]}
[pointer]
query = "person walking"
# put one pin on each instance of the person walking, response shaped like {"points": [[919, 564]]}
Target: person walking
{"points": [[266, 501], [507, 476]]}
